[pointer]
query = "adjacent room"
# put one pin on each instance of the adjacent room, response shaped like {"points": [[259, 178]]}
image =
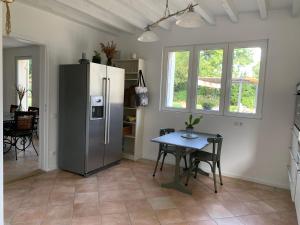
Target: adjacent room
{"points": [[21, 69], [150, 112]]}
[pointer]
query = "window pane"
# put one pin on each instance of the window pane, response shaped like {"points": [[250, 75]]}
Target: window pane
{"points": [[209, 79], [24, 79], [177, 79], [245, 80]]}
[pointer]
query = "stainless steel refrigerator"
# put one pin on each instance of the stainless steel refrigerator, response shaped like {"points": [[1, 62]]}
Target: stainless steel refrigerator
{"points": [[90, 117]]}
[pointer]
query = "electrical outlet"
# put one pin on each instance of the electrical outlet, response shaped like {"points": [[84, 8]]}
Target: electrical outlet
{"points": [[238, 124]]}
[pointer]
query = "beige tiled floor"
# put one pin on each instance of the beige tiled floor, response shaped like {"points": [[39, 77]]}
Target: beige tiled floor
{"points": [[26, 164], [127, 194]]}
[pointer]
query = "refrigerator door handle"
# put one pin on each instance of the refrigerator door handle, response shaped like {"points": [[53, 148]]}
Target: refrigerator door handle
{"points": [[108, 111], [104, 84]]}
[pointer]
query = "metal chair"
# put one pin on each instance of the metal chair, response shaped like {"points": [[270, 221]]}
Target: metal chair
{"points": [[34, 109], [22, 131], [36, 121], [213, 159], [165, 149]]}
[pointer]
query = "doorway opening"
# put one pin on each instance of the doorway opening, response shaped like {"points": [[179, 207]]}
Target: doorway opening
{"points": [[23, 104]]}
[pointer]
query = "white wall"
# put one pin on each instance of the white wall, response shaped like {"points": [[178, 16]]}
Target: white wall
{"points": [[257, 150], [10, 56], [65, 41]]}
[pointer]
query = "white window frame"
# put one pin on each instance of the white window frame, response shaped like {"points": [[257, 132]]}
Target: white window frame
{"points": [[164, 82], [198, 48], [17, 77], [226, 78], [263, 60]]}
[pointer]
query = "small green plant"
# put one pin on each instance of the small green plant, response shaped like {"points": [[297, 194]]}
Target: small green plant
{"points": [[208, 105], [192, 121], [96, 57]]}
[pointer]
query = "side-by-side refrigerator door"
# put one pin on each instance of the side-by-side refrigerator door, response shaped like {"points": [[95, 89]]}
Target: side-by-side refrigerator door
{"points": [[113, 148], [96, 117]]}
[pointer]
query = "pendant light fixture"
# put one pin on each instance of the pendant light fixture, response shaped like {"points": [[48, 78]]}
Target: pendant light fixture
{"points": [[8, 22], [148, 36], [188, 19]]}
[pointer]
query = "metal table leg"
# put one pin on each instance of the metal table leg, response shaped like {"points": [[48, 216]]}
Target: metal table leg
{"points": [[176, 183]]}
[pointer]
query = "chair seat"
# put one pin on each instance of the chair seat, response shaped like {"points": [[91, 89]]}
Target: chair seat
{"points": [[14, 133], [204, 156]]}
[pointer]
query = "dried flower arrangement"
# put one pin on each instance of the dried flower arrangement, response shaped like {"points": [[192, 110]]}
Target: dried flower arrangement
{"points": [[109, 50], [21, 91]]}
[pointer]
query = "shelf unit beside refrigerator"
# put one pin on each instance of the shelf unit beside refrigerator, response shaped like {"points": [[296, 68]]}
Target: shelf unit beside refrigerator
{"points": [[133, 138]]}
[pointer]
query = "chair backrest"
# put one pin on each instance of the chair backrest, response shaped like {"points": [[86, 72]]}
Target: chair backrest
{"points": [[24, 121], [13, 108], [164, 131], [34, 109], [217, 145]]}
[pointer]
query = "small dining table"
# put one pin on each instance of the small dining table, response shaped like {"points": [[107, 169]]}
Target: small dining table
{"points": [[183, 145]]}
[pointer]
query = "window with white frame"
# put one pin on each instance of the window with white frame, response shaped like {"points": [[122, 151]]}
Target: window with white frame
{"points": [[223, 79], [24, 79]]}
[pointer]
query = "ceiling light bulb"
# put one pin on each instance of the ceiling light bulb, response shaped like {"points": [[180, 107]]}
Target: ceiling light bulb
{"points": [[189, 19], [148, 36]]}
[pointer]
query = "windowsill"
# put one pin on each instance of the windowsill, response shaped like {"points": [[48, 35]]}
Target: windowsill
{"points": [[214, 113]]}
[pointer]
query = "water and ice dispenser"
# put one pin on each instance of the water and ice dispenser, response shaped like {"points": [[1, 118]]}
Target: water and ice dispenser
{"points": [[97, 107]]}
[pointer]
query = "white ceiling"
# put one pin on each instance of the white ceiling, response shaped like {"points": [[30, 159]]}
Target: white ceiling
{"points": [[131, 16], [9, 42]]}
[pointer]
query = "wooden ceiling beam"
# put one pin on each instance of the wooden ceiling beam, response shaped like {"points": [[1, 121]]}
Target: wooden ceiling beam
{"points": [[230, 10], [127, 13], [205, 14], [71, 14], [262, 6], [153, 12], [101, 15]]}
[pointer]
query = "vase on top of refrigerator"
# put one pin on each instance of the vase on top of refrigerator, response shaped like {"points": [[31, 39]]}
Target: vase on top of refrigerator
{"points": [[90, 117]]}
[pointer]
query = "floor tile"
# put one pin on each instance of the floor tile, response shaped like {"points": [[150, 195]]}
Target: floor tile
{"points": [[259, 207], [161, 203], [57, 222], [59, 212], [194, 214], [116, 219], [229, 221], [263, 219], [138, 205], [91, 220], [218, 211], [168, 216], [86, 197], [127, 194], [112, 207], [143, 218], [89, 187], [29, 214], [85, 210]]}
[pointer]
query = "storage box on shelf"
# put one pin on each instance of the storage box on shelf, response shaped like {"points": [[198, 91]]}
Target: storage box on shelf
{"points": [[133, 116]]}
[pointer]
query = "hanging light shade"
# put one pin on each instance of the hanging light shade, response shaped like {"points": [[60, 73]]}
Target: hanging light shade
{"points": [[148, 36], [189, 19]]}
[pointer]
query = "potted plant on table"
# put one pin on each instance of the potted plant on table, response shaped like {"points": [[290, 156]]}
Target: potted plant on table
{"points": [[21, 91], [191, 122]]}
